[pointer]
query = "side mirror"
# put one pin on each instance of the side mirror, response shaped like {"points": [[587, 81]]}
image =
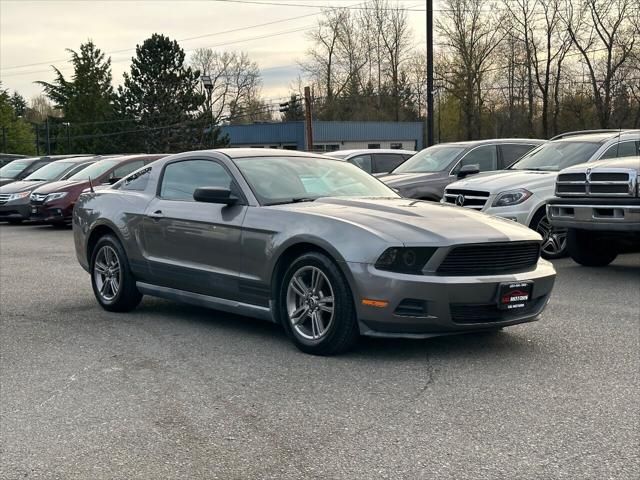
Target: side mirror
{"points": [[468, 170], [214, 195]]}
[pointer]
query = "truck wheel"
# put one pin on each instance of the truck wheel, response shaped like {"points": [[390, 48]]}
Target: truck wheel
{"points": [[590, 250]]}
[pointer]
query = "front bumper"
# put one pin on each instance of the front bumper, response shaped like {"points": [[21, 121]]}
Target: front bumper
{"points": [[50, 213], [14, 211], [613, 215], [449, 304]]}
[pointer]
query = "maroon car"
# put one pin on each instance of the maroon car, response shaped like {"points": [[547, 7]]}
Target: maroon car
{"points": [[53, 203]]}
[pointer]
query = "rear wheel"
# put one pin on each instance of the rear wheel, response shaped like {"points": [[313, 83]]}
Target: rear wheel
{"points": [[554, 240], [316, 306], [113, 284], [589, 249]]}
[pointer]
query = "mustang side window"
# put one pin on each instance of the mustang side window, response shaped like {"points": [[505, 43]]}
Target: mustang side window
{"points": [[180, 179]]}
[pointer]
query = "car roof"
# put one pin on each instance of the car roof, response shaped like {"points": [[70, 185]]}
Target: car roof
{"points": [[599, 137], [135, 156], [263, 152], [360, 151], [474, 143]]}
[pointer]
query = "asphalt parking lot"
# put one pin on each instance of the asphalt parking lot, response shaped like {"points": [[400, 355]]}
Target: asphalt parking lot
{"points": [[173, 391]]}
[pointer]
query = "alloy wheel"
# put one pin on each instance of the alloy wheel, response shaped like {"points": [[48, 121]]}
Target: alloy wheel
{"points": [[106, 273], [554, 240], [310, 303]]}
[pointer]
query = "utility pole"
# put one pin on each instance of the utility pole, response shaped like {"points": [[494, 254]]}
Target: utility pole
{"points": [[429, 73], [37, 139], [4, 139], [307, 117], [48, 138]]}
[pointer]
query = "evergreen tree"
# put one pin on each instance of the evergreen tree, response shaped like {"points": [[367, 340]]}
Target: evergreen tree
{"points": [[16, 135], [87, 102], [296, 111], [18, 103], [160, 94]]}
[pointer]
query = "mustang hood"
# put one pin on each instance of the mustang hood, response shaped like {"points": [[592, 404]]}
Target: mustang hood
{"points": [[506, 180], [416, 222], [22, 186], [403, 179]]}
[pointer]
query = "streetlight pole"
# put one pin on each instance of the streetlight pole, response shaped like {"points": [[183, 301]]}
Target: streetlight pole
{"points": [[67, 125], [207, 83], [429, 73]]}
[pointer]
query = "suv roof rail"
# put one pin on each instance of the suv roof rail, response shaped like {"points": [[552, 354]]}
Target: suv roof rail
{"points": [[587, 132]]}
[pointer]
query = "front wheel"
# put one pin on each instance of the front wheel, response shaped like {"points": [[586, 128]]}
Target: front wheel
{"points": [[113, 284], [554, 240], [316, 306], [587, 249]]}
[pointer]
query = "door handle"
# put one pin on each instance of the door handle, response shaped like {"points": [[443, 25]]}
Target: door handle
{"points": [[157, 215]]}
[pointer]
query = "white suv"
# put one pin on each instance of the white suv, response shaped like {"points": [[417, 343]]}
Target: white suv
{"points": [[520, 193]]}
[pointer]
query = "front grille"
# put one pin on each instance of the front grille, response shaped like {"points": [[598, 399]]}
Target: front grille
{"points": [[598, 182], [38, 198], [4, 198], [475, 199], [490, 258], [489, 313]]}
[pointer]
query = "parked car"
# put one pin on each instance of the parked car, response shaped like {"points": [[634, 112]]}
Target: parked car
{"points": [[521, 192], [374, 161], [22, 168], [53, 203], [312, 243], [428, 172], [14, 197], [599, 204], [6, 158]]}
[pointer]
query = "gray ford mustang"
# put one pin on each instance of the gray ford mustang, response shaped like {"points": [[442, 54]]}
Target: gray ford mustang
{"points": [[314, 244]]}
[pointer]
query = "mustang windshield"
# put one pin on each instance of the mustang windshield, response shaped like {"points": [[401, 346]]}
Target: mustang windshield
{"points": [[554, 156], [432, 159], [293, 179]]}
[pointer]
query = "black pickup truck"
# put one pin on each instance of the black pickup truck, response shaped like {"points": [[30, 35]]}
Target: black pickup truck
{"points": [[599, 204]]}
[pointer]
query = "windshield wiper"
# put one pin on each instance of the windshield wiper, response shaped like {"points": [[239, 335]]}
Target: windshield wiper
{"points": [[294, 200]]}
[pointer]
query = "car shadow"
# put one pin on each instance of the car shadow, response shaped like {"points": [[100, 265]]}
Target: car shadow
{"points": [[472, 345]]}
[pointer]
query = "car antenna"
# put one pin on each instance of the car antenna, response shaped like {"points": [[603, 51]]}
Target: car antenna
{"points": [[91, 186]]}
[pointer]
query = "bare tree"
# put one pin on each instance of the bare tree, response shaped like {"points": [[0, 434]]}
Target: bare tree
{"points": [[606, 38], [235, 79], [472, 35]]}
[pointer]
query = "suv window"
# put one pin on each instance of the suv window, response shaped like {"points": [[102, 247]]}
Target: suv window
{"points": [[362, 161], [385, 162], [513, 151], [126, 169], [486, 157], [180, 179], [622, 149]]}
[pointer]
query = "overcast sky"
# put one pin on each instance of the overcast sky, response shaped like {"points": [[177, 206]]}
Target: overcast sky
{"points": [[34, 34]]}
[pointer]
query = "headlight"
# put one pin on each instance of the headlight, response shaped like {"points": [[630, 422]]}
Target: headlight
{"points": [[55, 196], [511, 197], [18, 196], [405, 260]]}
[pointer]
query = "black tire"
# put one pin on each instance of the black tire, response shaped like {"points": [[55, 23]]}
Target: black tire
{"points": [[589, 249], [342, 331], [557, 247], [127, 296]]}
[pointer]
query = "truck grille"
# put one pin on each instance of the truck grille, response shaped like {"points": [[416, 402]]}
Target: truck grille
{"points": [[4, 198], [475, 199], [598, 182], [38, 198], [490, 258]]}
